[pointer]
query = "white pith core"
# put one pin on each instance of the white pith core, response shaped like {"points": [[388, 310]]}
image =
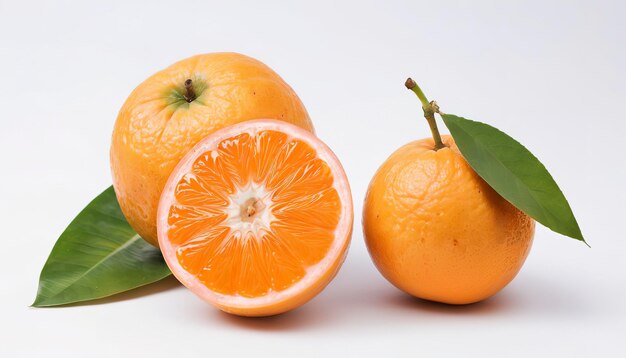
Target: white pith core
{"points": [[250, 211]]}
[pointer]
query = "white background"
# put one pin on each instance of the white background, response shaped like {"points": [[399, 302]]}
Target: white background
{"points": [[551, 74]]}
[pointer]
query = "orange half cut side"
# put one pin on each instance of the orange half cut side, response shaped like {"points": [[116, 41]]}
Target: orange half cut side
{"points": [[256, 219]]}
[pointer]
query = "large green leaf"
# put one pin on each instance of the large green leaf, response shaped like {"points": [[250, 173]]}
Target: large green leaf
{"points": [[514, 172], [98, 255]]}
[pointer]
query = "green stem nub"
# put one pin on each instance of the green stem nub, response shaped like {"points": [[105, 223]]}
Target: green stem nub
{"points": [[190, 93], [430, 108]]}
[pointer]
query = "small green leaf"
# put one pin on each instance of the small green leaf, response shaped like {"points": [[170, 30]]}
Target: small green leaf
{"points": [[98, 255], [514, 172]]}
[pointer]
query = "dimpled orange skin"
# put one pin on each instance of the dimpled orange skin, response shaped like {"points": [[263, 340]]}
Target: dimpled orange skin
{"points": [[439, 232], [157, 126]]}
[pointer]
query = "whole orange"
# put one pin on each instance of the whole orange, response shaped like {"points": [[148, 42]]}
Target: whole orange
{"points": [[174, 109], [437, 231]]}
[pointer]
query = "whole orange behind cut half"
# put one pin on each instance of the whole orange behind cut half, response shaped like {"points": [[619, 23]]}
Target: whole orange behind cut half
{"points": [[435, 229], [167, 114], [256, 219]]}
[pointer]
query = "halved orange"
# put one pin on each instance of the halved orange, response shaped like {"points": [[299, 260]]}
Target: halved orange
{"points": [[256, 219]]}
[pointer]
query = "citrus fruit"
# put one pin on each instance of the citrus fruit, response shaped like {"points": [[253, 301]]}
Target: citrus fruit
{"points": [[256, 219], [436, 230], [167, 114]]}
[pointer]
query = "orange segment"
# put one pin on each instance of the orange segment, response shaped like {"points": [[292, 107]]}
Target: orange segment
{"points": [[256, 219]]}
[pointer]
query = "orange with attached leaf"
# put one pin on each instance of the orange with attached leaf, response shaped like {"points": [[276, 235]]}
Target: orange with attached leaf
{"points": [[435, 229]]}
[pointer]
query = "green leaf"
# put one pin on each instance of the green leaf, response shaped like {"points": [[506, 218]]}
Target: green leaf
{"points": [[514, 172], [98, 255]]}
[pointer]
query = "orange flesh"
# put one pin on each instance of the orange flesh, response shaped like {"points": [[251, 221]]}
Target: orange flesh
{"points": [[296, 214]]}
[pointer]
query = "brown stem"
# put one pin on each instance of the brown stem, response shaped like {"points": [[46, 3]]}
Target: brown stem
{"points": [[190, 94]]}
